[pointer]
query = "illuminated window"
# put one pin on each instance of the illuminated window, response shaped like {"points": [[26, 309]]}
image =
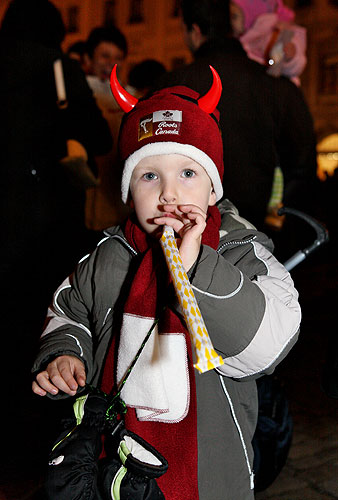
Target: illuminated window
{"points": [[136, 12], [109, 13], [73, 19], [176, 8], [328, 71], [327, 156]]}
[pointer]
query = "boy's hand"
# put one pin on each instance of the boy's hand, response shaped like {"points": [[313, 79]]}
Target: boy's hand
{"points": [[64, 373], [189, 222]]}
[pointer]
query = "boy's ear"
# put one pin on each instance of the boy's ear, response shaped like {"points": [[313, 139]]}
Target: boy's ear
{"points": [[212, 198], [130, 203]]}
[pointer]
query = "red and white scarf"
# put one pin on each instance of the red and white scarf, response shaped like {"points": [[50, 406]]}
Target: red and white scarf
{"points": [[160, 392]]}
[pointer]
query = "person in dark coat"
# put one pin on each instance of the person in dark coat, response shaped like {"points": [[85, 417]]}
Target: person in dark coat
{"points": [[264, 120], [42, 211]]}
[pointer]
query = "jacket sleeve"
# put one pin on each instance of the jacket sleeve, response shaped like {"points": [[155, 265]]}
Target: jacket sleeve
{"points": [[250, 308], [67, 327]]}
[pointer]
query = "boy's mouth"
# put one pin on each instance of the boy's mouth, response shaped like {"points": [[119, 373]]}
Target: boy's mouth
{"points": [[169, 215]]}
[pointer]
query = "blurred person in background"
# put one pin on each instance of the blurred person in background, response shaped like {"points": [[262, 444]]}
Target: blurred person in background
{"points": [[268, 34], [143, 75], [77, 51], [264, 120], [105, 47], [42, 203]]}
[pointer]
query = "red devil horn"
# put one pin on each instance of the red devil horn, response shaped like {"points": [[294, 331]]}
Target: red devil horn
{"points": [[210, 100], [125, 100]]}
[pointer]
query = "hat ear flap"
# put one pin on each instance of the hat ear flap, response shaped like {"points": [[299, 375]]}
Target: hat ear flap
{"points": [[125, 100], [211, 99]]}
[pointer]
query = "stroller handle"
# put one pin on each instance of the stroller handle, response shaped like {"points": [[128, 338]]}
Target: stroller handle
{"points": [[321, 233]]}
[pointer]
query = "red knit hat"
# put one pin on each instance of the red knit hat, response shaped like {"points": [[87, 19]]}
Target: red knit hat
{"points": [[171, 121]]}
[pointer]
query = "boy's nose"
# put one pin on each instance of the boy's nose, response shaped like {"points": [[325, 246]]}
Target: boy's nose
{"points": [[168, 195], [167, 198]]}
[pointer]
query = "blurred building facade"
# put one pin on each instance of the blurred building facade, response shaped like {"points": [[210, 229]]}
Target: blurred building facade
{"points": [[320, 78], [153, 30]]}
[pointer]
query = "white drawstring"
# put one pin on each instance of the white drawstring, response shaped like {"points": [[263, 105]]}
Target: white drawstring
{"points": [[251, 473]]}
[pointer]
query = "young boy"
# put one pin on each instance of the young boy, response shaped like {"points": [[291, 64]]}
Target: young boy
{"points": [[201, 423]]}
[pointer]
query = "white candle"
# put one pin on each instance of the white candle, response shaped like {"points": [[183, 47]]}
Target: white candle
{"points": [[59, 81]]}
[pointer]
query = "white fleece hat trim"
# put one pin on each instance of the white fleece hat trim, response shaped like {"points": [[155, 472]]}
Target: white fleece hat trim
{"points": [[167, 148]]}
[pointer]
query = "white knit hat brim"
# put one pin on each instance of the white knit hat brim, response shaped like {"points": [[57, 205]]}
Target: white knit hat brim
{"points": [[166, 148]]}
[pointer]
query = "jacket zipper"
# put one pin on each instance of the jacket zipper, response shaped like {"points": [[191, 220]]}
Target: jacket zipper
{"points": [[124, 241], [239, 430], [226, 244], [235, 242]]}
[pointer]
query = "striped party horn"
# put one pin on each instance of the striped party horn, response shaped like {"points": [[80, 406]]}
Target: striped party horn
{"points": [[206, 356]]}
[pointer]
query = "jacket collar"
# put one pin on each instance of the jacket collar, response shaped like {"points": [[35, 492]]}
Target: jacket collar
{"points": [[225, 45]]}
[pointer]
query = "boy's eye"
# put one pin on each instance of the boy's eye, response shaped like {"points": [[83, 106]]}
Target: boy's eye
{"points": [[150, 176], [188, 173]]}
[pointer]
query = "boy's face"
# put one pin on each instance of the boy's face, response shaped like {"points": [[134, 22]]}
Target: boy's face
{"points": [[170, 179]]}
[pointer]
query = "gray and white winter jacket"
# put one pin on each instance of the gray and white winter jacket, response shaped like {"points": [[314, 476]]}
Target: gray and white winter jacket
{"points": [[251, 310]]}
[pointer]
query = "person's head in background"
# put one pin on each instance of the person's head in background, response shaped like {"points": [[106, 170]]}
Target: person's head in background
{"points": [[77, 51], [245, 12], [105, 47], [143, 75], [205, 21], [35, 21]]}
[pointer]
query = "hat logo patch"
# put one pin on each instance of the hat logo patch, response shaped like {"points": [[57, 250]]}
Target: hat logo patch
{"points": [[165, 122]]}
